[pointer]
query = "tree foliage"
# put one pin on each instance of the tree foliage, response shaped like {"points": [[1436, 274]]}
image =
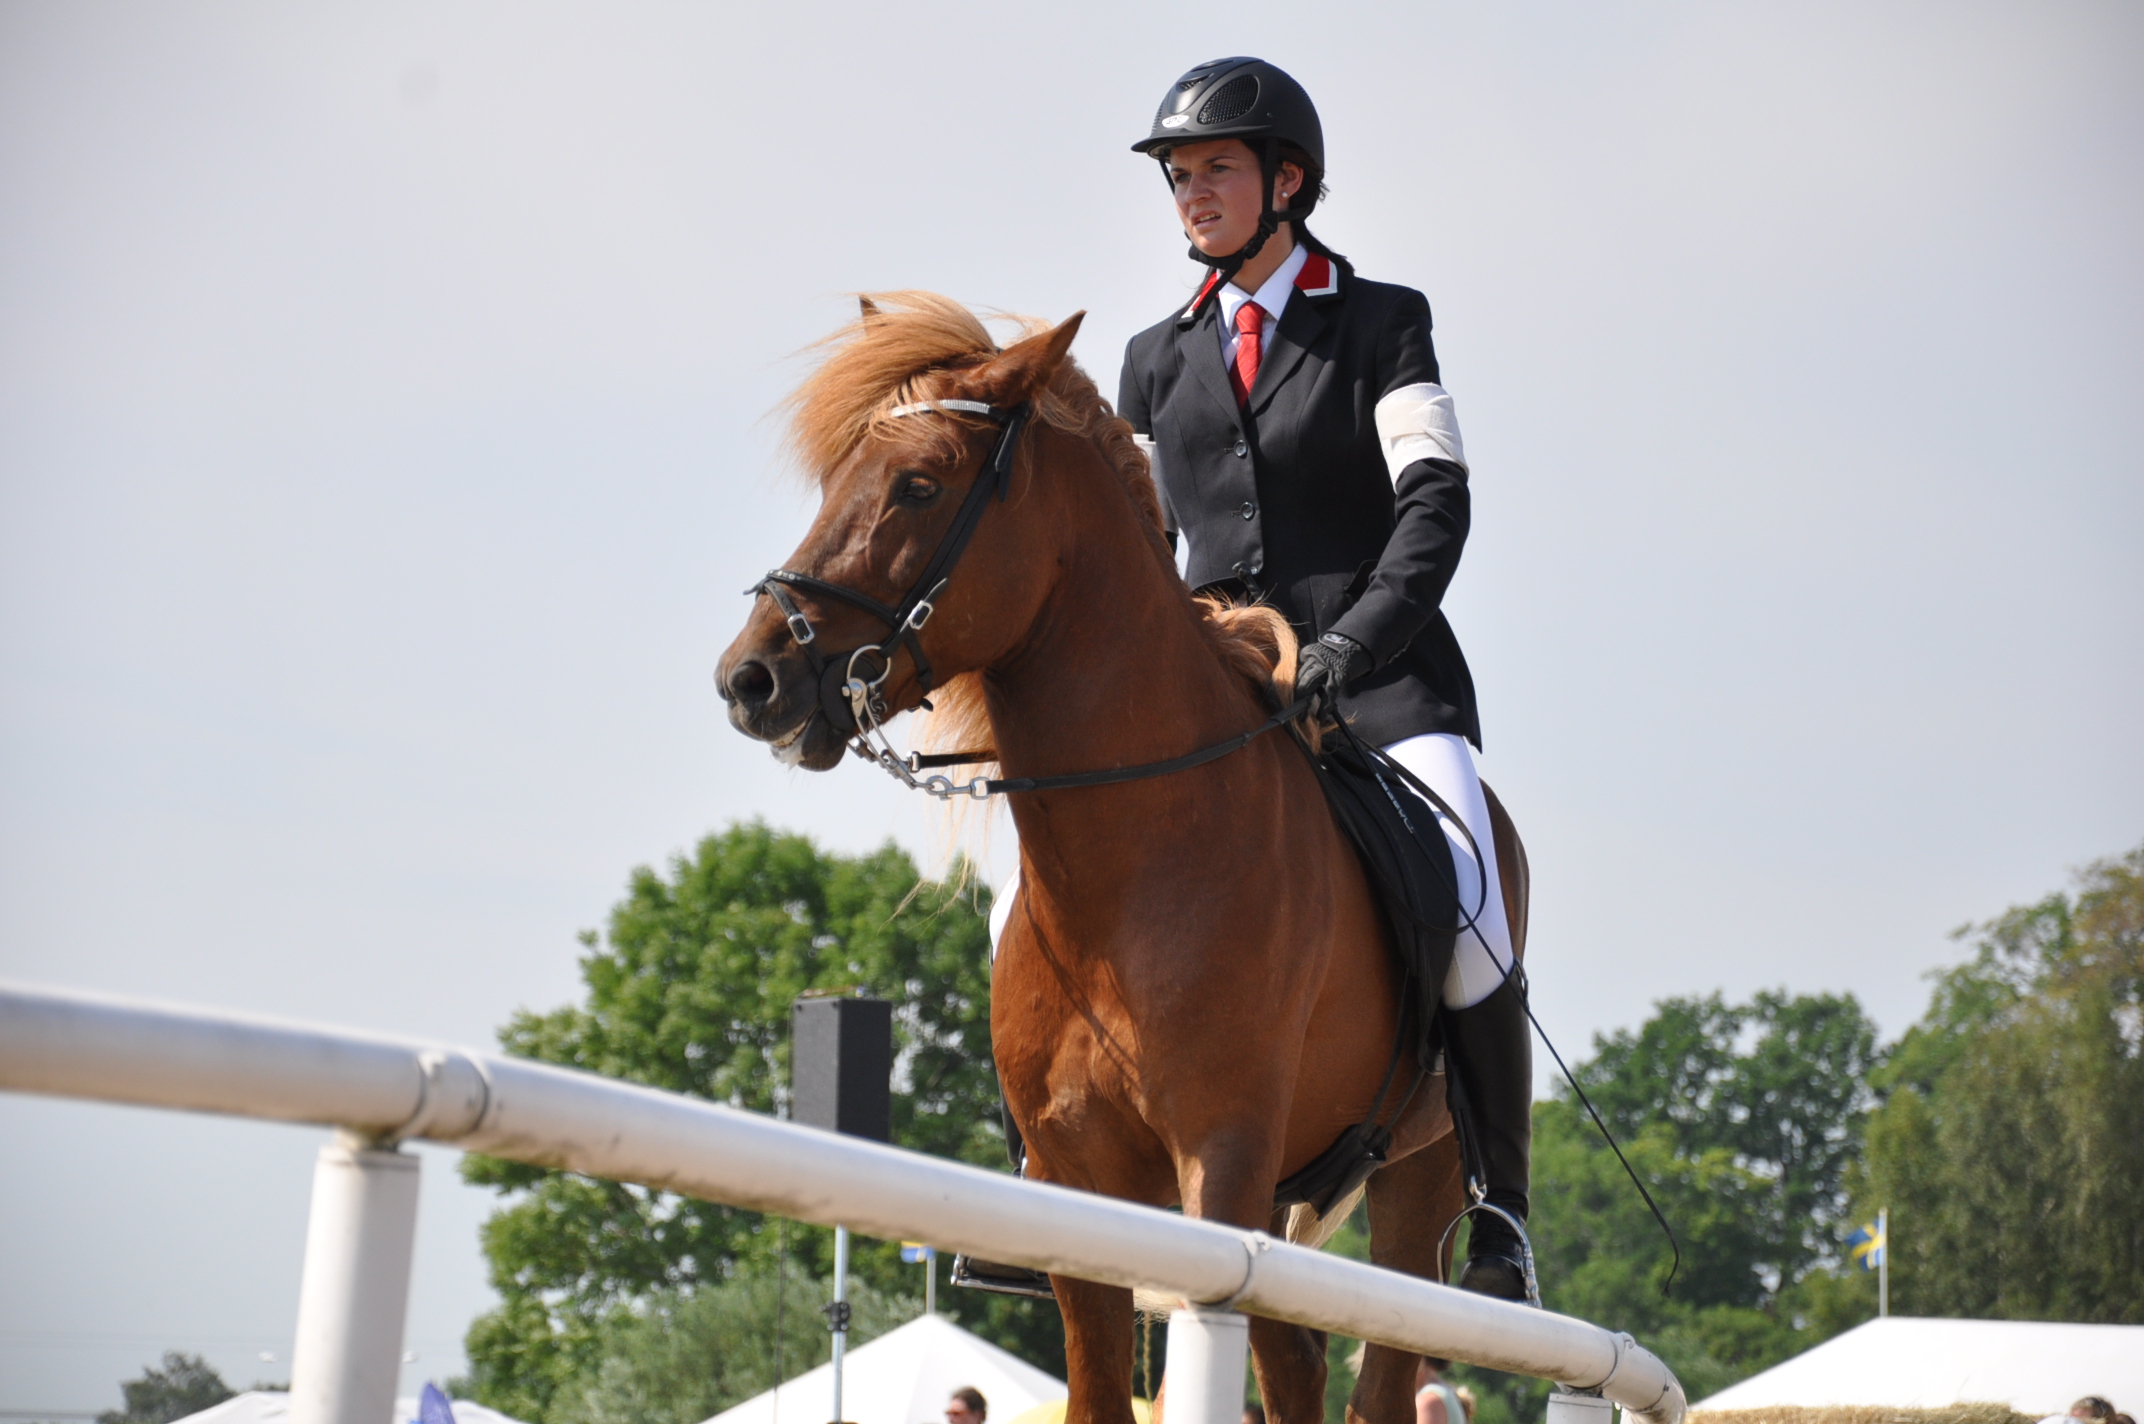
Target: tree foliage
{"points": [[690, 990], [681, 1358], [187, 1384], [1743, 1120], [2010, 1147], [1778, 1087]]}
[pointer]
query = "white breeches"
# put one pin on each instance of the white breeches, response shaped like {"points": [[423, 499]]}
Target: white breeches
{"points": [[1482, 956]]}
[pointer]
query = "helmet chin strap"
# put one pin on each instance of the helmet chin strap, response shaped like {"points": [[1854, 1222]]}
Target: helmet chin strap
{"points": [[1269, 221]]}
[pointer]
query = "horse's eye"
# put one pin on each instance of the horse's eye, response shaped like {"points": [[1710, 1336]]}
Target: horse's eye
{"points": [[916, 489]]}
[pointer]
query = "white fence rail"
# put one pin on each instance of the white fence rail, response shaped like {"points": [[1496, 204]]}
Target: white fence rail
{"points": [[382, 1090]]}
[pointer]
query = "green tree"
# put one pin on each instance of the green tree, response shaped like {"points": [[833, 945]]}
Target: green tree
{"points": [[681, 1358], [2010, 1147], [1779, 1084], [690, 990], [185, 1385], [1743, 1121]]}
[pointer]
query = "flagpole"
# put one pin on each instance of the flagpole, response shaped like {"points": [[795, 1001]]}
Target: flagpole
{"points": [[1883, 1264], [838, 1313]]}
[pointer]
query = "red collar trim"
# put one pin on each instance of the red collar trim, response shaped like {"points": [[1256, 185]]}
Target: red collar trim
{"points": [[1213, 279], [1319, 277]]}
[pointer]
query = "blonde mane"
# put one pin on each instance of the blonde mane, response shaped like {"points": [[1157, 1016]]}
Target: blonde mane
{"points": [[913, 346]]}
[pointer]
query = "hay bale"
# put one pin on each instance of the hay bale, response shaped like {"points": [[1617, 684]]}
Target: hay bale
{"points": [[1864, 1414]]}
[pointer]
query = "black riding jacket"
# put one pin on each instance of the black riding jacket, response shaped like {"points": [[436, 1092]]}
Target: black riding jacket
{"points": [[1338, 492]]}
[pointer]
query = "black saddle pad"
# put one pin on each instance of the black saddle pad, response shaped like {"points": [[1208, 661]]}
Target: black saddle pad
{"points": [[1409, 862], [1410, 868]]}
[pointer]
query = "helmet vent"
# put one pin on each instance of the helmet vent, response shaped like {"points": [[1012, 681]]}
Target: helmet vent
{"points": [[1231, 101]]}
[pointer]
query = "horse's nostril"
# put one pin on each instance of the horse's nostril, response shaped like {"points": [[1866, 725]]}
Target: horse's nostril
{"points": [[750, 683]]}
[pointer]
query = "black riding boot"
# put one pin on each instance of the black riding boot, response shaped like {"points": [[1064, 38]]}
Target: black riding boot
{"points": [[1489, 1050]]}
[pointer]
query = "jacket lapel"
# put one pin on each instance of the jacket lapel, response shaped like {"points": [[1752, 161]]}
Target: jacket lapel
{"points": [[1199, 347], [1299, 325]]}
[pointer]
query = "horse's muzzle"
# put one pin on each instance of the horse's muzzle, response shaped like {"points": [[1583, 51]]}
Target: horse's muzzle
{"points": [[774, 697]]}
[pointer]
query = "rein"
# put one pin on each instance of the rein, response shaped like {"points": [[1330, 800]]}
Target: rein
{"points": [[851, 695], [982, 788]]}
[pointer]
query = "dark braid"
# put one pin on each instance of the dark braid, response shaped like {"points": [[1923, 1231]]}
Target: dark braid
{"points": [[1305, 237]]}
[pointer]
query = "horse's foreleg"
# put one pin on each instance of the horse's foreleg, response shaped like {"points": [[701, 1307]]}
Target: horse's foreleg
{"points": [[1411, 1202], [1098, 1350], [1229, 1180], [1290, 1363]]}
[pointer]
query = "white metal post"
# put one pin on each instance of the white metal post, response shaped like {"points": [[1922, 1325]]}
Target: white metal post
{"points": [[355, 1292], [1207, 1353], [1883, 1263], [839, 1317], [1579, 1407]]}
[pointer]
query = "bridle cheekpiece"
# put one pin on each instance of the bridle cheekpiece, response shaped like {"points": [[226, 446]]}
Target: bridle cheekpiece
{"points": [[851, 685]]}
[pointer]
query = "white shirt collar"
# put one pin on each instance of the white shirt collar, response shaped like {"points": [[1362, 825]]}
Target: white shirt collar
{"points": [[1273, 295]]}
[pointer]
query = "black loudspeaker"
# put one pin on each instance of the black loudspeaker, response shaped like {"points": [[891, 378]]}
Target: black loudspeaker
{"points": [[841, 1066]]}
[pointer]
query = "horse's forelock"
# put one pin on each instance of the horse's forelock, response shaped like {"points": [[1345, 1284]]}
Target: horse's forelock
{"points": [[907, 347], [901, 349]]}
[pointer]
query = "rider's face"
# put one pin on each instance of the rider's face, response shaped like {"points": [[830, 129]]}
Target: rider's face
{"points": [[1216, 184]]}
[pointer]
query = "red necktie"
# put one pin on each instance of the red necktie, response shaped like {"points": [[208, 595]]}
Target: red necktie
{"points": [[1250, 327]]}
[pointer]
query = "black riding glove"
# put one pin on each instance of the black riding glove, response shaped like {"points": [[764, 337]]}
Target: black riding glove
{"points": [[1323, 668]]}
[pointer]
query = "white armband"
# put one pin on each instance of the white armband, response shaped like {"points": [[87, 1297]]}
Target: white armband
{"points": [[1418, 423]]}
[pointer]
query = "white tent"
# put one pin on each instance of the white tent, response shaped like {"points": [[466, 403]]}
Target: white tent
{"points": [[903, 1377], [2033, 1366], [264, 1406]]}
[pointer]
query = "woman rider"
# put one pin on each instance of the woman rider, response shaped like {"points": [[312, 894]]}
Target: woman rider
{"points": [[1307, 454]]}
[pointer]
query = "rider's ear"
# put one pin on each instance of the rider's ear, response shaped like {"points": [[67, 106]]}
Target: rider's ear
{"points": [[1026, 367]]}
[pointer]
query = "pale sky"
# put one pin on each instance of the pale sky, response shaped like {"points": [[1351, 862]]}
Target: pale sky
{"points": [[383, 447]]}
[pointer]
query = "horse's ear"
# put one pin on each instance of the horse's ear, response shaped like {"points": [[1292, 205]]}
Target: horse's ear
{"points": [[870, 309], [1026, 366]]}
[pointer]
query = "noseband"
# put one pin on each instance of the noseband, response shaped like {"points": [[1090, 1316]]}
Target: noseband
{"points": [[851, 685]]}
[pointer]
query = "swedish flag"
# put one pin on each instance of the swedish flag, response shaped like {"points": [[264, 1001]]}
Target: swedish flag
{"points": [[1866, 1245]]}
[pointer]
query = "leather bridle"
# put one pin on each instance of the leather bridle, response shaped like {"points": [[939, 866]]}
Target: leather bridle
{"points": [[851, 684]]}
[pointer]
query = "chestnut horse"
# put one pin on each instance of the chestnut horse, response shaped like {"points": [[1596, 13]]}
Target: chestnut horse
{"points": [[1194, 995]]}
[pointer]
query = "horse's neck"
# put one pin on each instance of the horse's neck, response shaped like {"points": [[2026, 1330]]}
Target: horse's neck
{"points": [[1117, 673]]}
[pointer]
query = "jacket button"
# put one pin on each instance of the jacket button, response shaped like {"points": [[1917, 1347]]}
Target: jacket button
{"points": [[1242, 449], [1250, 510]]}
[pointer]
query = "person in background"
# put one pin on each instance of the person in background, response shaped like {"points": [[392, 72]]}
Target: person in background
{"points": [[966, 1405], [1436, 1402], [1254, 1414], [2093, 1408]]}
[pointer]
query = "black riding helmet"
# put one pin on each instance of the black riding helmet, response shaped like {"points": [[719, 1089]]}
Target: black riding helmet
{"points": [[1261, 104]]}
